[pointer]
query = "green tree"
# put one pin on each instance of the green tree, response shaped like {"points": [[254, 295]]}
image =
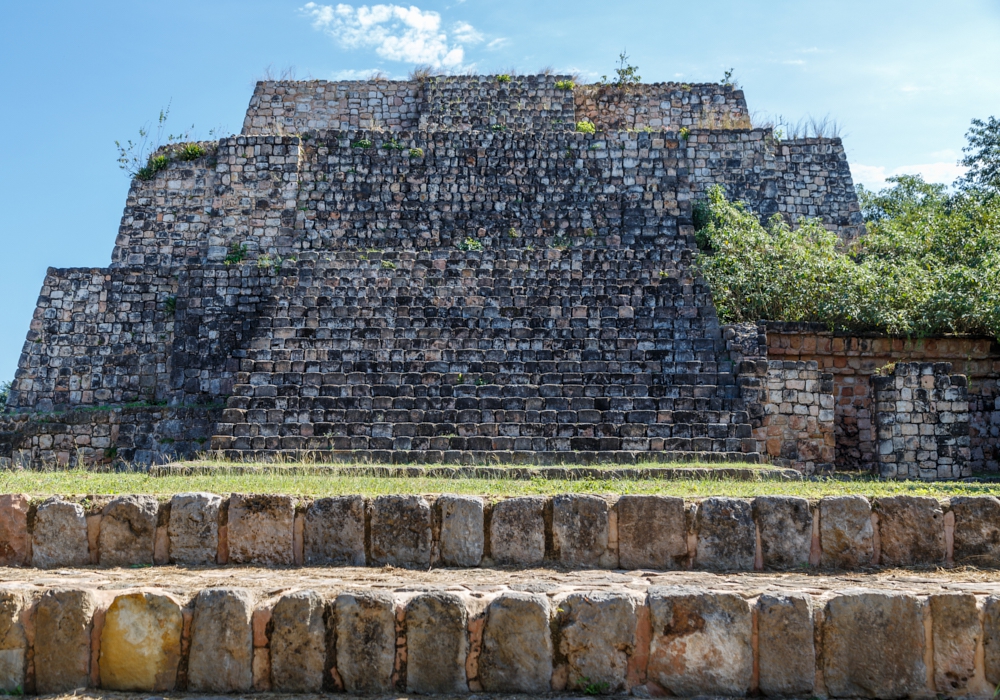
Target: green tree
{"points": [[982, 155]]}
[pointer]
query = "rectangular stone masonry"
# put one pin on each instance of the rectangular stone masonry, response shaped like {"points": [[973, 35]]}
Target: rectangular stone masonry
{"points": [[64, 619], [298, 643], [956, 633], [977, 530], [785, 644], [652, 532], [462, 535], [517, 531], [13, 641], [846, 534], [436, 644], [516, 654], [193, 528], [59, 537], [334, 531], [911, 530], [260, 529], [401, 531], [727, 538], [141, 643], [785, 525], [597, 637], [580, 531], [128, 525], [365, 641], [15, 542], [221, 652]]}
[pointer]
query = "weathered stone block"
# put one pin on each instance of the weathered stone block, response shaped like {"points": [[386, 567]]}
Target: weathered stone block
{"points": [[911, 530], [517, 531], [334, 531], [516, 654], [845, 532], [13, 641], [977, 530], [298, 643], [401, 531], [598, 636], [60, 535], [221, 656], [785, 525], [15, 542], [194, 528], [128, 526], [991, 638], [701, 641], [873, 645], [580, 528], [652, 532], [956, 631], [462, 536], [436, 643], [141, 643], [786, 650], [63, 623], [727, 537], [365, 641], [261, 529]]}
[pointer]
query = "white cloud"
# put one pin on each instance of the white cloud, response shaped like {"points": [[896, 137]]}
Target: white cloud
{"points": [[396, 33], [498, 43], [873, 177], [363, 74]]}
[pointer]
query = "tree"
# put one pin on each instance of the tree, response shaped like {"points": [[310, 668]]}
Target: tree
{"points": [[982, 156]]}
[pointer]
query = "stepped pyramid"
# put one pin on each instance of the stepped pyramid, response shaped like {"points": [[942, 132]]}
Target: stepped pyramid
{"points": [[433, 270]]}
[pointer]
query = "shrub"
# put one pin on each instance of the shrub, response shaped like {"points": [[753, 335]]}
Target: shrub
{"points": [[685, 133], [155, 164], [190, 151], [499, 127], [362, 143], [416, 153], [626, 75], [237, 254], [503, 78], [470, 244], [565, 85], [388, 265], [393, 145], [585, 127]]}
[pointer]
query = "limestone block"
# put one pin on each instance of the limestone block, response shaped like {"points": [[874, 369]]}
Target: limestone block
{"points": [[911, 529], [334, 531], [261, 529], [141, 643], [785, 525], [598, 636], [60, 535], [365, 641], [873, 645], [436, 643], [194, 528], [786, 650], [462, 535], [221, 656], [401, 531], [15, 542], [956, 631], [977, 530], [991, 638], [63, 622], [298, 643], [13, 641], [580, 528], [128, 526], [516, 655], [701, 641], [517, 531], [845, 532], [727, 537], [652, 532]]}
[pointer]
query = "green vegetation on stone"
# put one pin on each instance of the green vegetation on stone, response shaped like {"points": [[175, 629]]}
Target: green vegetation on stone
{"points": [[585, 127]]}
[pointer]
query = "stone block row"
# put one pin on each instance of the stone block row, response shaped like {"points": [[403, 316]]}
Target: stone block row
{"points": [[664, 640], [571, 530]]}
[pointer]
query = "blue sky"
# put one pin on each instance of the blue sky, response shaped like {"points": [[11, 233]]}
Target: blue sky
{"points": [[903, 79]]}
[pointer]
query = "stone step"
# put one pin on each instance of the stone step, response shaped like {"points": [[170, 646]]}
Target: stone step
{"points": [[463, 632]]}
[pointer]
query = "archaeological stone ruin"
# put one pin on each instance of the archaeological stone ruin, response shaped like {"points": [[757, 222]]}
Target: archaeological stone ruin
{"points": [[447, 271]]}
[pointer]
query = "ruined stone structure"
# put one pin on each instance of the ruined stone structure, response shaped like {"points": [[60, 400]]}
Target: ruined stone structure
{"points": [[441, 270]]}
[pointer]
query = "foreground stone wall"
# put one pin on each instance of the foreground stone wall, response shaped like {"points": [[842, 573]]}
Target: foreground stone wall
{"points": [[575, 531], [641, 640]]}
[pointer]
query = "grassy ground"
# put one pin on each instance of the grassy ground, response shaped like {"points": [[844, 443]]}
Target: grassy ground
{"points": [[82, 482]]}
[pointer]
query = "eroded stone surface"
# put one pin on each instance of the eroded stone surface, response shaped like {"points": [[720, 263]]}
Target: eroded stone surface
{"points": [[141, 643], [63, 622], [298, 643], [221, 657], [598, 636], [977, 530], [13, 641], [127, 529], [956, 632], [727, 538], [60, 535], [462, 536], [911, 530], [261, 529], [786, 649], [873, 645], [580, 530], [785, 525], [845, 532], [517, 531], [334, 531], [991, 638], [401, 531], [652, 532], [365, 641], [436, 643], [194, 528], [516, 655], [701, 641], [15, 542]]}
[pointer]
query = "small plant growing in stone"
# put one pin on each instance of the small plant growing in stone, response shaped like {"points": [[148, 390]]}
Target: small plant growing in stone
{"points": [[589, 688], [685, 133], [503, 78], [529, 247], [560, 242], [727, 79], [585, 127], [626, 75], [393, 145], [362, 143], [499, 127], [136, 158], [513, 233], [480, 381], [460, 379], [170, 305], [388, 265], [416, 153], [190, 151], [565, 85], [237, 254], [664, 274], [154, 165], [685, 87], [470, 244], [589, 233]]}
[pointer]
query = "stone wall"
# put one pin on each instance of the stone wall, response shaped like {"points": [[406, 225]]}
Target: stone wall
{"points": [[662, 106], [922, 419]]}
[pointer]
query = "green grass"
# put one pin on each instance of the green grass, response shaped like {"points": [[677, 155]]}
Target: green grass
{"points": [[39, 483]]}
